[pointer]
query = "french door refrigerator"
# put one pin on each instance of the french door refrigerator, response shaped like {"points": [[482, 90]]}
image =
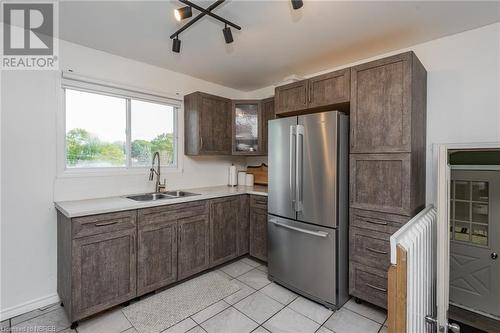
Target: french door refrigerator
{"points": [[308, 205]]}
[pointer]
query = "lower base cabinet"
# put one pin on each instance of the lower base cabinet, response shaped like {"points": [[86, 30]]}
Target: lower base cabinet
{"points": [[224, 228], [157, 254], [258, 227], [98, 270], [193, 249], [369, 251], [108, 259]]}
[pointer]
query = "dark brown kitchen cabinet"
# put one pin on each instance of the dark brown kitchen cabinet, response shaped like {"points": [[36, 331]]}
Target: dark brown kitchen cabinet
{"points": [[207, 124], [224, 228], [387, 164], [258, 227], [97, 269], [317, 93], [328, 89], [387, 183], [267, 114], [157, 251], [368, 283], [244, 224], [388, 101], [291, 97], [193, 248]]}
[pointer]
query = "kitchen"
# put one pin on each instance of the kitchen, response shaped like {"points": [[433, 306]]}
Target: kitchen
{"points": [[344, 150]]}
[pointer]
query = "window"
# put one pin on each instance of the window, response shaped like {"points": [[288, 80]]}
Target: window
{"points": [[469, 211], [113, 131]]}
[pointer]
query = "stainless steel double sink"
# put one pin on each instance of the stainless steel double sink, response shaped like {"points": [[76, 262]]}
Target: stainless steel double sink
{"points": [[160, 196]]}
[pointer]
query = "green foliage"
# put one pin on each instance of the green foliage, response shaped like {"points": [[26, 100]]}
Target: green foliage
{"points": [[82, 148]]}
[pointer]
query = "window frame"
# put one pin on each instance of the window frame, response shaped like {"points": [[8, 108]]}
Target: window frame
{"points": [[129, 94]]}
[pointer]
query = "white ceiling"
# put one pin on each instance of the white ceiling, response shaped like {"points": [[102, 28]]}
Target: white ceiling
{"points": [[275, 41]]}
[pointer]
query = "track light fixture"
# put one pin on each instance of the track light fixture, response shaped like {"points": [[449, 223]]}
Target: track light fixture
{"points": [[183, 13], [228, 36], [297, 4], [176, 44], [187, 11]]}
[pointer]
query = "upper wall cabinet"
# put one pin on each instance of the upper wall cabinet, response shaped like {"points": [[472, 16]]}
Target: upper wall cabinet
{"points": [[387, 99], [318, 92], [328, 89], [215, 125], [267, 114], [207, 124], [291, 97], [247, 128]]}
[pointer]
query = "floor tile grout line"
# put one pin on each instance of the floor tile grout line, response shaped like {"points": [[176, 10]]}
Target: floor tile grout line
{"points": [[41, 314], [359, 314], [246, 316]]}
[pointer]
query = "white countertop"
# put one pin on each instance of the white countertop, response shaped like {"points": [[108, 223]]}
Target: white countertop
{"points": [[78, 208]]}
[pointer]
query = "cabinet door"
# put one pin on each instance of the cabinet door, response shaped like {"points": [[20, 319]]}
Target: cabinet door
{"points": [[330, 88], [291, 97], [246, 127], [381, 182], [244, 224], [104, 271], [223, 230], [193, 245], [215, 125], [258, 233], [381, 105], [156, 255], [267, 114]]}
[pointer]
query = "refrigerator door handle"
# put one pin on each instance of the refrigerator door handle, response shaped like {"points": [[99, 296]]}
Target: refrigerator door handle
{"points": [[305, 231], [292, 157], [298, 167]]}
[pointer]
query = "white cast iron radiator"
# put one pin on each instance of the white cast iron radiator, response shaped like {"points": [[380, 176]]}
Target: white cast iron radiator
{"points": [[417, 239]]}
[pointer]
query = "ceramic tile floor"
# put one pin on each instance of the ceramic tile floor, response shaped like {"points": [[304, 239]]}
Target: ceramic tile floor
{"points": [[259, 306]]}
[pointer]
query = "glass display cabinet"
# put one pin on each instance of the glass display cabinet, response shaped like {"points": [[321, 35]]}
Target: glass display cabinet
{"points": [[247, 127]]}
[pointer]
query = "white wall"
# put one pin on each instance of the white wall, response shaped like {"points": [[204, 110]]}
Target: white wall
{"points": [[30, 183], [463, 89]]}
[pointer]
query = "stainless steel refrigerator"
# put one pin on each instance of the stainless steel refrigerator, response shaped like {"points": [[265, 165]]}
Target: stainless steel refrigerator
{"points": [[308, 205]]}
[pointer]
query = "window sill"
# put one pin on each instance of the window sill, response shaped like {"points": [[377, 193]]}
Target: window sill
{"points": [[109, 172]]}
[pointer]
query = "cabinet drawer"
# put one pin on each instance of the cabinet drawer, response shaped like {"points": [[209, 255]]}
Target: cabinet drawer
{"points": [[369, 284], [382, 222], [172, 212], [103, 223], [370, 248], [258, 201], [381, 182]]}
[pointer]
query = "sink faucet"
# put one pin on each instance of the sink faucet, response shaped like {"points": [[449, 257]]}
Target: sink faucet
{"points": [[159, 187]]}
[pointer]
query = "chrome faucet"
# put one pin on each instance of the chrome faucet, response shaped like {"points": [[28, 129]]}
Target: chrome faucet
{"points": [[159, 187]]}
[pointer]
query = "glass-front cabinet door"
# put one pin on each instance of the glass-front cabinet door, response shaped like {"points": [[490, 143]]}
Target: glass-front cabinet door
{"points": [[247, 128]]}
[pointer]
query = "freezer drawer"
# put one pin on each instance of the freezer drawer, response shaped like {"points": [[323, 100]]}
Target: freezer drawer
{"points": [[303, 257]]}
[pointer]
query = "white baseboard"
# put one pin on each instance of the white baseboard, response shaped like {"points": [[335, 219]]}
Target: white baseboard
{"points": [[28, 306]]}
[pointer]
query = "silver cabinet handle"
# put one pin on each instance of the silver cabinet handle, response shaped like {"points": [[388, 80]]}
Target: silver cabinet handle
{"points": [[305, 231], [298, 167], [102, 224], [376, 251], [292, 163], [376, 288], [494, 255]]}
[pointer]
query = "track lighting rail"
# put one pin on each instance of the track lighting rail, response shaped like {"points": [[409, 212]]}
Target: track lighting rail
{"points": [[203, 12]]}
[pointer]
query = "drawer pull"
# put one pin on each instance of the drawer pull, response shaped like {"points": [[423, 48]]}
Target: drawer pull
{"points": [[376, 251], [102, 224], [376, 288], [374, 222]]}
